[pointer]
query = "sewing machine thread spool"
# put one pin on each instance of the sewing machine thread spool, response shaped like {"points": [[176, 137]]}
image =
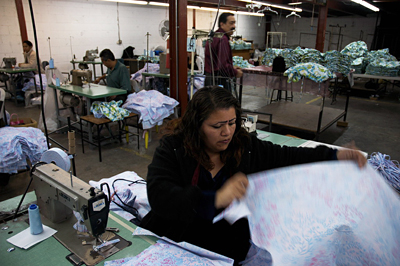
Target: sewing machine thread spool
{"points": [[51, 64], [35, 221], [71, 142]]}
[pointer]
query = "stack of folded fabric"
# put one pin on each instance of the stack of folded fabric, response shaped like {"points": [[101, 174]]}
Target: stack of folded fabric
{"points": [[111, 110], [240, 62], [379, 54], [152, 106], [269, 56], [315, 72], [355, 49], [358, 65], [381, 67], [311, 56], [17, 144], [337, 62]]}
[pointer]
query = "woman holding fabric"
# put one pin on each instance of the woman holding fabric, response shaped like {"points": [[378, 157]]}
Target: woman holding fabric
{"points": [[200, 167], [30, 60]]}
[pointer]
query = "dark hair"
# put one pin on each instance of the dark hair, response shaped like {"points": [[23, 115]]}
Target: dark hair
{"points": [[28, 43], [223, 18], [278, 65], [204, 102], [107, 54]]}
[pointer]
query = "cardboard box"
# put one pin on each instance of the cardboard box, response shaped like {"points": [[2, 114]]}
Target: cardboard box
{"points": [[163, 64]]}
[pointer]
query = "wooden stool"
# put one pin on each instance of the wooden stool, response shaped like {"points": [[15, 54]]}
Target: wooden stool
{"points": [[125, 128], [98, 122]]}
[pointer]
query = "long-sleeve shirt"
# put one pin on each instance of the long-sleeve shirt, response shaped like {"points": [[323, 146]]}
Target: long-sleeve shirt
{"points": [[30, 61], [118, 77], [221, 56]]}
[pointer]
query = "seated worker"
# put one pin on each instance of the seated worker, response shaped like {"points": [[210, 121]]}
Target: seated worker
{"points": [[201, 165], [30, 60], [117, 75]]}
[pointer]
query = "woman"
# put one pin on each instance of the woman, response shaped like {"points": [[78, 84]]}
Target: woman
{"points": [[30, 57], [201, 167]]}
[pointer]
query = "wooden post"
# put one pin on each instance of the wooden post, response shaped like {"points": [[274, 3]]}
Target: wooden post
{"points": [[322, 16], [21, 20]]}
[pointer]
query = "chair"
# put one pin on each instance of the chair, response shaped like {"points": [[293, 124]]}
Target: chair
{"points": [[279, 67], [99, 122]]}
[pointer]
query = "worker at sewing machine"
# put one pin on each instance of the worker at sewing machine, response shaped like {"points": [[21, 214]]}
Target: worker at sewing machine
{"points": [[30, 60], [117, 75]]}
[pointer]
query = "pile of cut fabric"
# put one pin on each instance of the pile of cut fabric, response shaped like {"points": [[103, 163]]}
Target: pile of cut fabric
{"points": [[152, 106], [240, 62], [17, 144], [315, 72], [111, 110]]}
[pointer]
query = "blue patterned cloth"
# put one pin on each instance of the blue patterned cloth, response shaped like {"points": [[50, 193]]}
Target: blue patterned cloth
{"points": [[315, 72], [18, 144], [240, 62], [111, 110], [337, 62], [381, 67]]}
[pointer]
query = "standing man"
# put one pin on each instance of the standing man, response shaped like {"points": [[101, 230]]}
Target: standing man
{"points": [[117, 75], [221, 54]]}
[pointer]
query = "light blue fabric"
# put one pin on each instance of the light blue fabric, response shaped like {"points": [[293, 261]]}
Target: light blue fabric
{"points": [[152, 106], [355, 49], [240, 62], [315, 72], [337, 62], [111, 110], [18, 144], [381, 67]]}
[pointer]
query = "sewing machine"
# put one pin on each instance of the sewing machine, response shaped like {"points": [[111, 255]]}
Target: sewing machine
{"points": [[78, 74], [91, 55], [59, 193], [9, 62], [250, 123]]}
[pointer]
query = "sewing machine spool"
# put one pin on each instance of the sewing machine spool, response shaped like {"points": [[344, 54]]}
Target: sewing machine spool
{"points": [[58, 157]]}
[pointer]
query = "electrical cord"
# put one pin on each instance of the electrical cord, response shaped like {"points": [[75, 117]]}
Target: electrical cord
{"points": [[389, 169], [27, 188]]}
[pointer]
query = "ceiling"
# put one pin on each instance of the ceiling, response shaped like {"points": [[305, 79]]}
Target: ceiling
{"points": [[336, 8]]}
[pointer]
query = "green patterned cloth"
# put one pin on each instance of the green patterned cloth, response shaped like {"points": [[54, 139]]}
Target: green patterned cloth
{"points": [[381, 67], [111, 110], [313, 71], [269, 56], [337, 62], [240, 62], [355, 49]]}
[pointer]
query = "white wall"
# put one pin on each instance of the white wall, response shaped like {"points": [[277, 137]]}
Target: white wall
{"points": [[87, 24], [352, 31]]}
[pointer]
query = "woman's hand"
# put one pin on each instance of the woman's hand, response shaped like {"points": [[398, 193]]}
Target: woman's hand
{"points": [[351, 153], [234, 188]]}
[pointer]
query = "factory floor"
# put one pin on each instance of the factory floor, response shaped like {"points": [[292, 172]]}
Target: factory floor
{"points": [[372, 123]]}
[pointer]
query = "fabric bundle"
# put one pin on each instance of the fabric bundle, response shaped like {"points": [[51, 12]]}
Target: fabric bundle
{"points": [[311, 56], [239, 45], [337, 62], [18, 144], [379, 54], [269, 56], [240, 62], [358, 65], [152, 106], [111, 110], [381, 67], [315, 72], [355, 49]]}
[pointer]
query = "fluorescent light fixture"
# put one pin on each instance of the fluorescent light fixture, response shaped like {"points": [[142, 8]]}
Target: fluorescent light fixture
{"points": [[273, 5], [232, 11], [158, 4], [366, 4], [128, 2], [297, 3], [193, 7]]}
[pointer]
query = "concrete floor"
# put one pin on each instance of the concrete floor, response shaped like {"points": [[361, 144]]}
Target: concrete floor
{"points": [[373, 125]]}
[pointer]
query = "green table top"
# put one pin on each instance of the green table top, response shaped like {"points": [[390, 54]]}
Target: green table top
{"points": [[94, 92], [85, 62], [280, 139], [15, 71]]}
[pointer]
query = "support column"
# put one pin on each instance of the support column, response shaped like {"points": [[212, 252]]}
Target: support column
{"points": [[322, 17], [178, 35], [21, 20]]}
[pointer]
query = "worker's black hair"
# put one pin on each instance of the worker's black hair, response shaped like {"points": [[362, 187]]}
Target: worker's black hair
{"points": [[28, 43], [107, 54], [223, 18]]}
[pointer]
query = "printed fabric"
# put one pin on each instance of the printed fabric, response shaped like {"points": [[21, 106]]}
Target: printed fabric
{"points": [[315, 72], [152, 106], [328, 213], [111, 110], [355, 49], [17, 144]]}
